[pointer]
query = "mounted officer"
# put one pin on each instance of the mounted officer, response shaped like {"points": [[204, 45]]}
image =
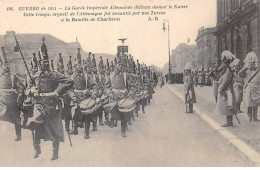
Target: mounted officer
{"points": [[47, 87], [11, 92]]}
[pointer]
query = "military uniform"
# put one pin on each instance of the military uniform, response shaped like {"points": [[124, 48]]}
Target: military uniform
{"points": [[11, 90], [226, 102], [66, 97], [252, 85], [48, 88], [189, 92]]}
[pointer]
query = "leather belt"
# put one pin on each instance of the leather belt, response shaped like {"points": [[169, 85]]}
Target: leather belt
{"points": [[47, 94], [7, 90]]}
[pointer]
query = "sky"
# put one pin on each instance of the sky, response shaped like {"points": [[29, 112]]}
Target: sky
{"points": [[146, 39]]}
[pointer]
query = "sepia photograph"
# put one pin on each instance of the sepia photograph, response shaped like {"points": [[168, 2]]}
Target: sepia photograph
{"points": [[120, 83]]}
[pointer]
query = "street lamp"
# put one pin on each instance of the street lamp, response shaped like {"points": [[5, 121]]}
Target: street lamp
{"points": [[169, 76]]}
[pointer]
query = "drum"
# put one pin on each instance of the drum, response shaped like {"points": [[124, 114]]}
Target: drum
{"points": [[87, 106]]}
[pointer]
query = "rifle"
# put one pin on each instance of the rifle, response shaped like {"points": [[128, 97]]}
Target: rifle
{"points": [[26, 67]]}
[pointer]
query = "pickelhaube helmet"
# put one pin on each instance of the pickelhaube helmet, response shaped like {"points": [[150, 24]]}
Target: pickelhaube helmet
{"points": [[69, 66], [43, 52], [60, 64], [34, 64], [112, 66], [101, 66], [52, 65], [107, 67], [79, 57]]}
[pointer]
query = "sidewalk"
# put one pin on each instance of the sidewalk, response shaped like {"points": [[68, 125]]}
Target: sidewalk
{"points": [[247, 131]]}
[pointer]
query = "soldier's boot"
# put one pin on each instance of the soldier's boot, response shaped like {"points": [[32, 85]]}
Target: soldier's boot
{"points": [[18, 130], [143, 109], [67, 125], [190, 108], [123, 125], [255, 109], [115, 123], [129, 122], [229, 121], [238, 108], [37, 147], [249, 113], [87, 127], [25, 120], [75, 129], [95, 126], [55, 146], [123, 132], [37, 153], [133, 116], [136, 113], [101, 118], [107, 117]]}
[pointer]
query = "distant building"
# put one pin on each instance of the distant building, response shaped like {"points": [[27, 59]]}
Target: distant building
{"points": [[181, 55], [30, 43], [238, 27], [207, 51]]}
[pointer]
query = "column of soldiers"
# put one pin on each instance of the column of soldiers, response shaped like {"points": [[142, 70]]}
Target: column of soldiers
{"points": [[80, 94]]}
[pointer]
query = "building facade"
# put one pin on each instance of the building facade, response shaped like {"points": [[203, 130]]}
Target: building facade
{"points": [[238, 27], [181, 55], [207, 51]]}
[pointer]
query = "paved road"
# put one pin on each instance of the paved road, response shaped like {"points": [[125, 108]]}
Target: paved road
{"points": [[246, 131], [164, 136]]}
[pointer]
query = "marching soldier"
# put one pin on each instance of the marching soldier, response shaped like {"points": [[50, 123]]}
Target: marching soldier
{"points": [[251, 76], [66, 97], [47, 87], [97, 91], [11, 90], [226, 102], [80, 112], [52, 65], [122, 104], [238, 83], [189, 92], [102, 73]]}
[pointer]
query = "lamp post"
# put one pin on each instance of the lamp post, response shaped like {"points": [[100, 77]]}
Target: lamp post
{"points": [[169, 76]]}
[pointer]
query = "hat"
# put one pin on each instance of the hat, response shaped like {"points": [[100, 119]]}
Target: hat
{"points": [[188, 66], [251, 57], [235, 63], [227, 55]]}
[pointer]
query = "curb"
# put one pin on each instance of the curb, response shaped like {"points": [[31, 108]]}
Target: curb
{"points": [[245, 151]]}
